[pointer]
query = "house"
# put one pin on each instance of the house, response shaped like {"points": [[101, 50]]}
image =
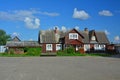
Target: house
{"points": [[117, 48], [16, 39], [17, 45], [89, 41]]}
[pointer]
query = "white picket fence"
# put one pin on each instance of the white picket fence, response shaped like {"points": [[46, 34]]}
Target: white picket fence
{"points": [[2, 48]]}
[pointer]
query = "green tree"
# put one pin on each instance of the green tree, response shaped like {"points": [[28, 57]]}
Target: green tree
{"points": [[4, 37]]}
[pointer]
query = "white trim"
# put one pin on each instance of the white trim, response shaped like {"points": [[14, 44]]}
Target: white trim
{"points": [[99, 46], [86, 47], [73, 35], [48, 47], [58, 47]]}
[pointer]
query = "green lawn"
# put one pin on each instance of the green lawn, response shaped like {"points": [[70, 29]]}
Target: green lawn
{"points": [[28, 52], [58, 54], [86, 54], [16, 55]]}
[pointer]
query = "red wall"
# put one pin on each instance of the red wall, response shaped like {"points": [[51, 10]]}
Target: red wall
{"points": [[67, 40], [44, 48]]}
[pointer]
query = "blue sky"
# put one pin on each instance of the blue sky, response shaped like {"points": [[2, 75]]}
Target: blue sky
{"points": [[25, 18]]}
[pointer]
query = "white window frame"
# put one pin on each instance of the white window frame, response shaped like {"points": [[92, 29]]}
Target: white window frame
{"points": [[73, 35], [48, 47], [93, 38], [87, 47], [58, 47], [99, 47]]}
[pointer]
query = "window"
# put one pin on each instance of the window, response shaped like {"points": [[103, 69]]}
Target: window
{"points": [[49, 47], [99, 47], [86, 47], [73, 36], [58, 46], [93, 38]]}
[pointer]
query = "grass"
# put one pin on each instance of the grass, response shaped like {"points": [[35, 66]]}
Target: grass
{"points": [[59, 54], [29, 53], [16, 55], [34, 53], [83, 54], [91, 54], [71, 54]]}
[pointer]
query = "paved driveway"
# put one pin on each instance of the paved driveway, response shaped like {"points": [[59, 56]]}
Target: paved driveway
{"points": [[59, 68]]}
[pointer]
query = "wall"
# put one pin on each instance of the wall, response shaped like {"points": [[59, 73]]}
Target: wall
{"points": [[67, 40], [44, 48], [2, 49]]}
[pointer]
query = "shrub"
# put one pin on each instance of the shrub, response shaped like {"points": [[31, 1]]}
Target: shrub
{"points": [[70, 50], [60, 53], [25, 49], [11, 51], [33, 51]]}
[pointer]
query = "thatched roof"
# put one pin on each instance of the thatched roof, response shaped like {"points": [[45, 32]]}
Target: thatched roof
{"points": [[22, 44], [49, 36]]}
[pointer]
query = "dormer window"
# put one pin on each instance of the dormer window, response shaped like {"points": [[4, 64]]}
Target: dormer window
{"points": [[73, 36], [93, 38]]}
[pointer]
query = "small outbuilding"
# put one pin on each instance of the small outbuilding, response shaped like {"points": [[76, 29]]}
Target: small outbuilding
{"points": [[117, 48], [18, 46]]}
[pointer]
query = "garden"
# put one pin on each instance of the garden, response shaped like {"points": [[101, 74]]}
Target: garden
{"points": [[34, 52]]}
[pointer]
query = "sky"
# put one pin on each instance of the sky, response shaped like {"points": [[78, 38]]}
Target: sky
{"points": [[24, 18]]}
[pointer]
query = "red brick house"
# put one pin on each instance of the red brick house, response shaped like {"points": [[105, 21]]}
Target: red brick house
{"points": [[54, 40]]}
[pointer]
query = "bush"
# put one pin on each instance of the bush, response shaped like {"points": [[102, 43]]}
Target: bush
{"points": [[33, 51], [70, 50], [25, 49], [11, 51], [60, 52]]}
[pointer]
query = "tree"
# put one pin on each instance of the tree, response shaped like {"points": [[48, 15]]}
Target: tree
{"points": [[4, 37]]}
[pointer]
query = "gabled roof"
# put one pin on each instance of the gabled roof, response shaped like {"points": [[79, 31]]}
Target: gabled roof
{"points": [[49, 36], [16, 39], [101, 37], [86, 36], [77, 32], [22, 44]]}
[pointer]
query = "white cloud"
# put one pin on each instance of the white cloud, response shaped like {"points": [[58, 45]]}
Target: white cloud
{"points": [[107, 33], [82, 15], [20, 15], [64, 29], [17, 15], [77, 27], [27, 16], [116, 38], [49, 14], [32, 23], [105, 13]]}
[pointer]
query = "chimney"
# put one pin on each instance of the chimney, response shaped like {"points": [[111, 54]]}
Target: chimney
{"points": [[57, 36], [86, 30], [56, 30]]}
